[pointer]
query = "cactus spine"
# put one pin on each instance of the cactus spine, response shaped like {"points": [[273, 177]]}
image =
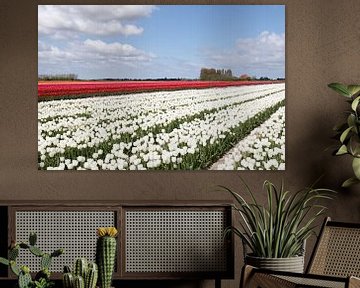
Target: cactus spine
{"points": [[80, 267], [68, 280], [13, 253], [24, 278], [36, 251], [45, 261], [14, 268], [84, 275], [106, 254], [91, 276], [79, 282]]}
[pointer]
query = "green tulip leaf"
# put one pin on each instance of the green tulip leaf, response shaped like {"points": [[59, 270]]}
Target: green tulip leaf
{"points": [[349, 182], [356, 167], [340, 88], [342, 150], [355, 103]]}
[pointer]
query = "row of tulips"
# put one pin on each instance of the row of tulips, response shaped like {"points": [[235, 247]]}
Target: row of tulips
{"points": [[59, 90], [263, 149], [176, 130]]}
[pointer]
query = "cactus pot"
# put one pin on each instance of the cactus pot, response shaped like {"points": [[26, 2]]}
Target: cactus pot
{"points": [[291, 264]]}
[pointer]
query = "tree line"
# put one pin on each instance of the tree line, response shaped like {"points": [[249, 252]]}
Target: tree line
{"points": [[211, 74], [62, 77]]}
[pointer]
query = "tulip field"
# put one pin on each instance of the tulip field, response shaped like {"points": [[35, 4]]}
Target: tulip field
{"points": [[218, 128], [263, 149], [49, 90]]}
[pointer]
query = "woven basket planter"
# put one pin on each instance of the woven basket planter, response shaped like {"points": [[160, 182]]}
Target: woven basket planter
{"points": [[291, 264]]}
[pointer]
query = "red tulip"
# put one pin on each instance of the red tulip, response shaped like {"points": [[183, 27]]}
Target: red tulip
{"points": [[61, 89]]}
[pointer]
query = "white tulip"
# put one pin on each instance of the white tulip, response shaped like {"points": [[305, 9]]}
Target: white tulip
{"points": [[109, 119]]}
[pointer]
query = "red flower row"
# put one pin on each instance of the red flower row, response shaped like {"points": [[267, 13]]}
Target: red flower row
{"points": [[69, 88]]}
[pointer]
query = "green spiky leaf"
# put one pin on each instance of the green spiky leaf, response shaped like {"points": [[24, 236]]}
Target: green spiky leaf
{"points": [[43, 283], [279, 228]]}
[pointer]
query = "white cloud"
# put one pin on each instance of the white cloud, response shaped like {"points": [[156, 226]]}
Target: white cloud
{"points": [[52, 54], [266, 48], [68, 21], [262, 54], [91, 54], [112, 49], [43, 46]]}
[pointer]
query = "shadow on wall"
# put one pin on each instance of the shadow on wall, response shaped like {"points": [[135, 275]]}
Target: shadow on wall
{"points": [[335, 169], [309, 155]]}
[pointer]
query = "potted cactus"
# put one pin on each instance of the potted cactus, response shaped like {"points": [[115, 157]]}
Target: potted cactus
{"points": [[42, 278], [106, 254], [84, 275]]}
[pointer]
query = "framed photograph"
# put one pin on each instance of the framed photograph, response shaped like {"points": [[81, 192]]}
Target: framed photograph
{"points": [[161, 87]]}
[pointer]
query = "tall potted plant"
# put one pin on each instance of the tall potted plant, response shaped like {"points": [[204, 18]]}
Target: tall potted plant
{"points": [[276, 233], [349, 131]]}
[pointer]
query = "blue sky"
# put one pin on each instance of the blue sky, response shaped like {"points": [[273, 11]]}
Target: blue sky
{"points": [[145, 41]]}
